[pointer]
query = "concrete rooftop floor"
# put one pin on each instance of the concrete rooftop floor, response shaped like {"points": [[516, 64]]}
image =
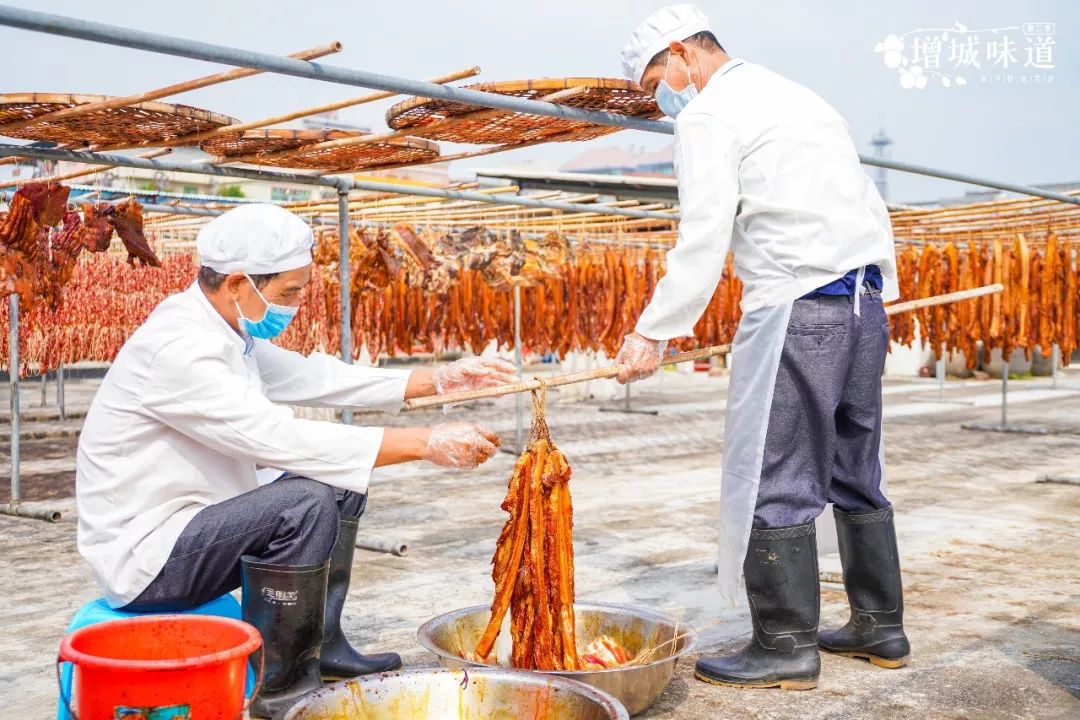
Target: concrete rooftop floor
{"points": [[990, 559]]}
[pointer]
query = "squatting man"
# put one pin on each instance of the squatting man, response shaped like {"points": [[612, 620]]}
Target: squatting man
{"points": [[171, 512]]}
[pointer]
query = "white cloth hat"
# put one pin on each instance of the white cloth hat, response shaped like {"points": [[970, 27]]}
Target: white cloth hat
{"points": [[257, 239], [663, 27]]}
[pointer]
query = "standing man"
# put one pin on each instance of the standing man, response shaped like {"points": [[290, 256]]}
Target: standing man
{"points": [[768, 169], [170, 513]]}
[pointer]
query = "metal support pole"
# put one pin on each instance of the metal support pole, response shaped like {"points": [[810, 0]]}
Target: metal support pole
{"points": [[44, 389], [344, 278], [1004, 393], [1003, 425], [196, 50], [392, 547], [941, 373], [1063, 479], [964, 178], [1055, 360], [13, 378], [48, 514], [338, 183], [60, 391], [626, 407], [519, 401]]}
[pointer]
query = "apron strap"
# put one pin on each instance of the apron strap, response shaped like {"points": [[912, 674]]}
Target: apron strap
{"points": [[860, 276]]}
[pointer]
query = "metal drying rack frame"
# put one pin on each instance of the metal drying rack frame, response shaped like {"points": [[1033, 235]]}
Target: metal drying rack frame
{"points": [[60, 25]]}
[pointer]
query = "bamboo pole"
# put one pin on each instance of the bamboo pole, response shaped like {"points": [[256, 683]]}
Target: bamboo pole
{"points": [[481, 214], [492, 149], [367, 139], [363, 206], [316, 110], [943, 299], [80, 173], [558, 380], [474, 209]]}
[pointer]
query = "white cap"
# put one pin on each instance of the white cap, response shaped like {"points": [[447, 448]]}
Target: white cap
{"points": [[257, 239], [671, 24]]}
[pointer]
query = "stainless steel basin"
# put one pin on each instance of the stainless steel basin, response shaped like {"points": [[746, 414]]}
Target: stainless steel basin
{"points": [[635, 686], [487, 693]]}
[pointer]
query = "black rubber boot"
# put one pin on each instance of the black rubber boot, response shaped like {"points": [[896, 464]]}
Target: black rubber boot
{"points": [[781, 573], [339, 659], [871, 563], [285, 604]]}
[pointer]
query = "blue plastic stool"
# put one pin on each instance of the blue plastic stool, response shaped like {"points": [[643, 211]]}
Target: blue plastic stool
{"points": [[97, 611]]}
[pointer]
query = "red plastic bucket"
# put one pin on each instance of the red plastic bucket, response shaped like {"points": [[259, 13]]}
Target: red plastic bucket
{"points": [[167, 667]]}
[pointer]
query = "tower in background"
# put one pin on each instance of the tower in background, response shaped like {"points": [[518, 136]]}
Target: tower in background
{"points": [[881, 144]]}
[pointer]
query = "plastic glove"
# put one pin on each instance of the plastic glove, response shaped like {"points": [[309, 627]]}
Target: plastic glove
{"points": [[639, 357], [474, 373], [460, 445]]}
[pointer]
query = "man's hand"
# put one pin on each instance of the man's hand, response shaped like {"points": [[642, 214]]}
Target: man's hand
{"points": [[474, 373], [639, 357], [460, 445]]}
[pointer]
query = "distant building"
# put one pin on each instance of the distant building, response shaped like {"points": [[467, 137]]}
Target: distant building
{"points": [[330, 121], [983, 195], [633, 161]]}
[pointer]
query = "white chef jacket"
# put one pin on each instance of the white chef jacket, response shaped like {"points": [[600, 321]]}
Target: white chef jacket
{"points": [[183, 417], [767, 169]]}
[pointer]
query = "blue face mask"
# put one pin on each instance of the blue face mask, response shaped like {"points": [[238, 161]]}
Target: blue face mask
{"points": [[671, 102], [274, 320]]}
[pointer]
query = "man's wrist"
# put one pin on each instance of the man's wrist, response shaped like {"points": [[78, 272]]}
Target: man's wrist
{"points": [[421, 384], [403, 445]]}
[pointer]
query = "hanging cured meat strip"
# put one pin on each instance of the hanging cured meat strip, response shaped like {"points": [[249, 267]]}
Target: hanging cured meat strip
{"points": [[1049, 283], [533, 565]]}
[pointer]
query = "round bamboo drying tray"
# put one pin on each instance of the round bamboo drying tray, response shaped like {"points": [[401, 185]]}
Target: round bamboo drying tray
{"points": [[504, 126], [139, 123], [336, 159]]}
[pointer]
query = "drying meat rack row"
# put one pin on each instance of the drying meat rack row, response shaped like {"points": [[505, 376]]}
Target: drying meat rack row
{"points": [[249, 62]]}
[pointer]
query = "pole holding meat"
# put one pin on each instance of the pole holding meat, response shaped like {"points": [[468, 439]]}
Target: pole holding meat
{"points": [[703, 354], [569, 379]]}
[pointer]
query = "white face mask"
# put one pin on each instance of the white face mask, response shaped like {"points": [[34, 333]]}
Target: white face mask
{"points": [[671, 102]]}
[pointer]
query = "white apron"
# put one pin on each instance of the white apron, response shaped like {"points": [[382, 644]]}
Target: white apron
{"points": [[755, 358], [756, 351]]}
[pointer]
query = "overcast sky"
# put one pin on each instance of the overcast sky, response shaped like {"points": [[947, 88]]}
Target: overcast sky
{"points": [[1021, 133]]}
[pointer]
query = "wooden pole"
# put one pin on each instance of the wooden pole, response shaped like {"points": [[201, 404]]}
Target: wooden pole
{"points": [[367, 139], [329, 107], [175, 89], [556, 381], [943, 299], [80, 173], [491, 149]]}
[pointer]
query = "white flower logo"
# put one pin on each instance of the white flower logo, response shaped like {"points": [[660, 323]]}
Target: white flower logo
{"points": [[918, 56], [912, 77], [893, 49]]}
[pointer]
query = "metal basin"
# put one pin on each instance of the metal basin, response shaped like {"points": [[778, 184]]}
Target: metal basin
{"points": [[488, 693], [635, 686]]}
